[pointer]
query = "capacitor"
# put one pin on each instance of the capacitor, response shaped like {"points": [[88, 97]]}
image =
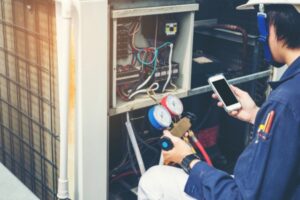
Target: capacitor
{"points": [[159, 117], [173, 104]]}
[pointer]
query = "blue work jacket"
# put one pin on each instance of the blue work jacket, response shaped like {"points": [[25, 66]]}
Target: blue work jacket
{"points": [[269, 168]]}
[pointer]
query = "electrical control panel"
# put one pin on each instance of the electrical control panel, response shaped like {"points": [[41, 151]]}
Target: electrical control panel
{"points": [[151, 53]]}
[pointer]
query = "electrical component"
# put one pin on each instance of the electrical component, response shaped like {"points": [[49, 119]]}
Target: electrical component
{"points": [[150, 64], [167, 27], [162, 72], [171, 28], [122, 41], [127, 75]]}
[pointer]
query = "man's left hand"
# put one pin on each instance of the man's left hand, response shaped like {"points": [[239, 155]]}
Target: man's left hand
{"points": [[178, 152]]}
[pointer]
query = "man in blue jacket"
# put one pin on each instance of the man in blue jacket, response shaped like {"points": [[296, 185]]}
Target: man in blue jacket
{"points": [[269, 168]]}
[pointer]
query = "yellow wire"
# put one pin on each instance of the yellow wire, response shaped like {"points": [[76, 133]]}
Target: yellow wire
{"points": [[151, 93]]}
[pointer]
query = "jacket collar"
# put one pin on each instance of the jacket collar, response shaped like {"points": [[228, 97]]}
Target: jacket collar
{"points": [[291, 71]]}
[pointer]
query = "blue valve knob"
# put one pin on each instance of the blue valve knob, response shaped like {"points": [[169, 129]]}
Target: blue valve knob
{"points": [[166, 143]]}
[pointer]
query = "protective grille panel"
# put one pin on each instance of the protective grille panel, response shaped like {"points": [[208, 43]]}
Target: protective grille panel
{"points": [[28, 96]]}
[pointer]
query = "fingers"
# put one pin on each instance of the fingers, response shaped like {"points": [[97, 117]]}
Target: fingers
{"points": [[220, 104], [166, 132], [167, 157], [233, 113], [237, 91], [214, 96]]}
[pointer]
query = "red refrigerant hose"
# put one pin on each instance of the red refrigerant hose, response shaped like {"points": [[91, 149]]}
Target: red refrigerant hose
{"points": [[201, 149]]}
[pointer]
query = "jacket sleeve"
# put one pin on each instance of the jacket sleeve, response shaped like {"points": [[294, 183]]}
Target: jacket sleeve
{"points": [[206, 182], [265, 170]]}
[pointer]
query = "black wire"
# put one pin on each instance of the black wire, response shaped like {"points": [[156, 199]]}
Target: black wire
{"points": [[141, 140], [146, 145], [205, 118], [124, 137], [128, 161]]}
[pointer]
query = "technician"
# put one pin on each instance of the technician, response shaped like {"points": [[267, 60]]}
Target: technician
{"points": [[269, 168]]}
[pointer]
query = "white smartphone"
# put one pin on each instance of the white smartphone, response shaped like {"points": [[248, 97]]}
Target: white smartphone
{"points": [[222, 89]]}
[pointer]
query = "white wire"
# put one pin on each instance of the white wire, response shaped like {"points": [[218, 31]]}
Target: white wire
{"points": [[135, 146], [144, 83], [170, 68], [154, 87], [147, 80]]}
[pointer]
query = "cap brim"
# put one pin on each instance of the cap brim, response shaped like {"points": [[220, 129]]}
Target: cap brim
{"points": [[251, 6], [298, 8], [245, 7]]}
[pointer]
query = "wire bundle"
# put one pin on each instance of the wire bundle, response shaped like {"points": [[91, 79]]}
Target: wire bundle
{"points": [[147, 56]]}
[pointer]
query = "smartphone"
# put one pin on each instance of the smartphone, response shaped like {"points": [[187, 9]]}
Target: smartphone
{"points": [[222, 89]]}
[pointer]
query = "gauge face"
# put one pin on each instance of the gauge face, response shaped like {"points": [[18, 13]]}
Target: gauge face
{"points": [[162, 116], [174, 105]]}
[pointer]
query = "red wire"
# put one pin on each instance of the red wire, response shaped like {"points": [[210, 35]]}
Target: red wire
{"points": [[120, 93], [202, 150], [122, 175]]}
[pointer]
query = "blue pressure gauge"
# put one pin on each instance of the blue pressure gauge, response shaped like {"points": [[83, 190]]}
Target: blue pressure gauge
{"points": [[159, 117]]}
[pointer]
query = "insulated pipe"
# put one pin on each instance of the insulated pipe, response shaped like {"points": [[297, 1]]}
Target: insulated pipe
{"points": [[63, 81], [135, 146]]}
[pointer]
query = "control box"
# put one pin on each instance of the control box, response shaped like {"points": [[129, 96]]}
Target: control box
{"points": [[151, 50]]}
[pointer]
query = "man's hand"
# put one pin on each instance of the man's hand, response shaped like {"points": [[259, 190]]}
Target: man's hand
{"points": [[249, 109], [179, 151]]}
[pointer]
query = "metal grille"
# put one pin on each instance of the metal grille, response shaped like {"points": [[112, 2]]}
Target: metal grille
{"points": [[28, 96]]}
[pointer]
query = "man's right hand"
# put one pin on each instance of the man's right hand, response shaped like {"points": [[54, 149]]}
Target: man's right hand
{"points": [[249, 109]]}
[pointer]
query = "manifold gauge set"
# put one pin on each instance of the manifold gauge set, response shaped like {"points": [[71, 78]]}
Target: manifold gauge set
{"points": [[160, 116]]}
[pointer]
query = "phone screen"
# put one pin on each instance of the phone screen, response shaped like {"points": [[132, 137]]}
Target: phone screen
{"points": [[225, 92]]}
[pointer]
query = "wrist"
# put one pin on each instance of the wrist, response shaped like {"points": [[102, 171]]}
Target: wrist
{"points": [[254, 113], [194, 162], [189, 161], [183, 155]]}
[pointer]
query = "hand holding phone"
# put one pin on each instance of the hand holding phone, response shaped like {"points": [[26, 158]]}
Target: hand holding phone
{"points": [[225, 95], [249, 109]]}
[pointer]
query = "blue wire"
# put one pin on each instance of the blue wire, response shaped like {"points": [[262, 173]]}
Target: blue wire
{"points": [[155, 54], [154, 60]]}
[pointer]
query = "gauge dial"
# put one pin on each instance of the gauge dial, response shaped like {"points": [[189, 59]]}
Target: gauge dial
{"points": [[162, 116], [174, 105]]}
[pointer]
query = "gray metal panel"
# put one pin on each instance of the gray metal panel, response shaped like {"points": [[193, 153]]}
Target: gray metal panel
{"points": [[154, 10], [92, 101], [11, 188]]}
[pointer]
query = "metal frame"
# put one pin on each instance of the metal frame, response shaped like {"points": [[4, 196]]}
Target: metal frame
{"points": [[28, 103], [238, 80], [134, 12], [92, 77]]}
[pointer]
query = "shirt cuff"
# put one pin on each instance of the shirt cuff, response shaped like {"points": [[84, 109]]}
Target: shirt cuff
{"points": [[193, 186]]}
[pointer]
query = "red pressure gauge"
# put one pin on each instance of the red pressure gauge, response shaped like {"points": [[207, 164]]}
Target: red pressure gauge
{"points": [[173, 104]]}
